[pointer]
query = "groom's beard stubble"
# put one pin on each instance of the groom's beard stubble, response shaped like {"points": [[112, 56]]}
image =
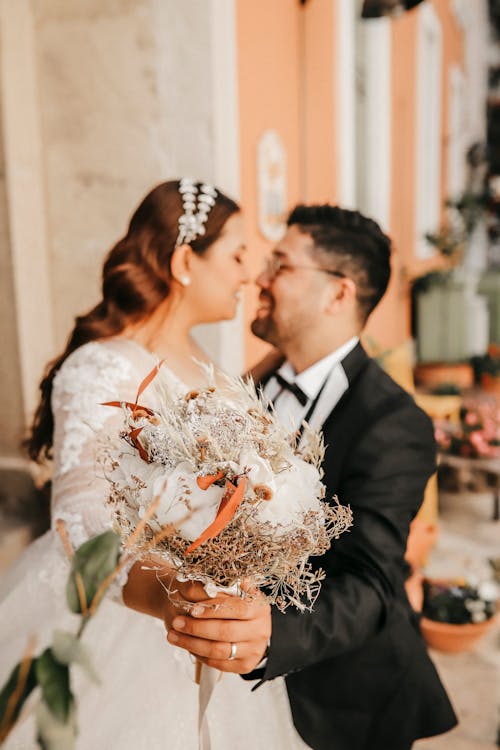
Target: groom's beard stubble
{"points": [[263, 326]]}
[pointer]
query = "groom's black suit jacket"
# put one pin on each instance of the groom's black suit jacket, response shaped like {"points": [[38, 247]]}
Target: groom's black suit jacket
{"points": [[357, 671]]}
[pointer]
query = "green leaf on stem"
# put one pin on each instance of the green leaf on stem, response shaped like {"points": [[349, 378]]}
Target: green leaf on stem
{"points": [[94, 561], [53, 678]]}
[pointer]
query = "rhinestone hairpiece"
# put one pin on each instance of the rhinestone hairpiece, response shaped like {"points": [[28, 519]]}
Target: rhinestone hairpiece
{"points": [[197, 204]]}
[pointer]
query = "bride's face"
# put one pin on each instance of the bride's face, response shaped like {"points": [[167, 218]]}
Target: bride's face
{"points": [[219, 274]]}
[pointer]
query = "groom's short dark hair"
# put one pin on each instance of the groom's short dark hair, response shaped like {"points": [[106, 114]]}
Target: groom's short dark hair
{"points": [[352, 244]]}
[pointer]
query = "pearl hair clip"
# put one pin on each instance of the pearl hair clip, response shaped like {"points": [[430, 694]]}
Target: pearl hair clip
{"points": [[197, 204]]}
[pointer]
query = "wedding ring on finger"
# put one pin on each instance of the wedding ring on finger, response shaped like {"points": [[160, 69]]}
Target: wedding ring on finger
{"points": [[234, 649]]}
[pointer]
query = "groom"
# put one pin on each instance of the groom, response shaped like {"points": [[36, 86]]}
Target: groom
{"points": [[357, 671]]}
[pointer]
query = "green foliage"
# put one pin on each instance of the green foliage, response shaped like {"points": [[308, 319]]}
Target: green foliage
{"points": [[471, 207], [7, 692], [446, 389], [430, 281], [95, 560], [465, 213], [488, 363], [53, 678], [448, 241]]}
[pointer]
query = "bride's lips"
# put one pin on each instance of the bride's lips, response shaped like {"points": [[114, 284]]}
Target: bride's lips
{"points": [[264, 307]]}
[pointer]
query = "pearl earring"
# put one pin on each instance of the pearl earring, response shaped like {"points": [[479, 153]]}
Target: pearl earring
{"points": [[185, 280]]}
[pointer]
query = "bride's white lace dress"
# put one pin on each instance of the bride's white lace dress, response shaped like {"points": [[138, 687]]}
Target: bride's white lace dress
{"points": [[147, 698]]}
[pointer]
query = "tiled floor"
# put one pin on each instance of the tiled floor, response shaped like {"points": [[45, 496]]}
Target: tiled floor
{"points": [[468, 538]]}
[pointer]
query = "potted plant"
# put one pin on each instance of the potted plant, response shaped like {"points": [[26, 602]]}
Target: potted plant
{"points": [[476, 436], [442, 296], [457, 613], [487, 369]]}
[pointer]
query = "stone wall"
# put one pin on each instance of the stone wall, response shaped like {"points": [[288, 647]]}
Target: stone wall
{"points": [[12, 419], [124, 104], [116, 96]]}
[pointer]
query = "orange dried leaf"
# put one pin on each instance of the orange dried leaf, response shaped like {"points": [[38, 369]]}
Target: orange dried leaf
{"points": [[228, 507], [129, 405], [230, 490], [207, 481], [134, 437], [148, 379]]}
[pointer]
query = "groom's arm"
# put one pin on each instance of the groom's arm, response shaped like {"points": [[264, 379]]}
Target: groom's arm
{"points": [[384, 483]]}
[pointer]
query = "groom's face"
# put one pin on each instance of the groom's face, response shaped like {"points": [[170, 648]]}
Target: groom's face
{"points": [[293, 290]]}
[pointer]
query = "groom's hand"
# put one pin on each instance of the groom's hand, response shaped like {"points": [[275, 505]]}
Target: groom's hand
{"points": [[181, 600], [217, 628]]}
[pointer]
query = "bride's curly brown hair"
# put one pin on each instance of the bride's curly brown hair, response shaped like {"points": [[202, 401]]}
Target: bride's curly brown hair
{"points": [[136, 278]]}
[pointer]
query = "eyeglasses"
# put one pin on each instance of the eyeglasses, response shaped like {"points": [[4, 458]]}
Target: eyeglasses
{"points": [[274, 266]]}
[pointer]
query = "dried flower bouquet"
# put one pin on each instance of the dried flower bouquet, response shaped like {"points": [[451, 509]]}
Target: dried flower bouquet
{"points": [[228, 492]]}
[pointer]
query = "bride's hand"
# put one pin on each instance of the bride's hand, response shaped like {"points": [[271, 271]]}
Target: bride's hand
{"points": [[146, 589], [217, 628]]}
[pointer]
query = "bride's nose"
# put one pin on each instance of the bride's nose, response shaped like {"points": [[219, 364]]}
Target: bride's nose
{"points": [[263, 280]]}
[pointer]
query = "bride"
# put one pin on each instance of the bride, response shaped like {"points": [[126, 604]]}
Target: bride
{"points": [[181, 263]]}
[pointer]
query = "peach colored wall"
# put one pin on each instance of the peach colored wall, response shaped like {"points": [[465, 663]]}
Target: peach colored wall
{"points": [[286, 82], [320, 161], [390, 324], [286, 57], [269, 83], [404, 126], [453, 54]]}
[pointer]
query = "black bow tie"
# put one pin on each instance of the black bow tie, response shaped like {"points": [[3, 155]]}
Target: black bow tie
{"points": [[293, 388]]}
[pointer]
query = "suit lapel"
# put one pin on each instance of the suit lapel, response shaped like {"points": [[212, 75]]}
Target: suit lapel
{"points": [[353, 364]]}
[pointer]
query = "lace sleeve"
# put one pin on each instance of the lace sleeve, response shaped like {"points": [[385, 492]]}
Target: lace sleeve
{"points": [[94, 373]]}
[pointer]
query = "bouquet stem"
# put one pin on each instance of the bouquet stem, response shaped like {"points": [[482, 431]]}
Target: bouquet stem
{"points": [[197, 671], [207, 680]]}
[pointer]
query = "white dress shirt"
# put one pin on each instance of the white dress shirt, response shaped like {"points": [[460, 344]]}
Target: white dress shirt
{"points": [[327, 374]]}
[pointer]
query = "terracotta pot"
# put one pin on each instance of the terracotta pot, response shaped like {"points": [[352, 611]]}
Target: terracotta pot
{"points": [[423, 536], [490, 383], [431, 374], [453, 638]]}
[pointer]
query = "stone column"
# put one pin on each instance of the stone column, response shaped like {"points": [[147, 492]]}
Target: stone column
{"points": [[28, 329]]}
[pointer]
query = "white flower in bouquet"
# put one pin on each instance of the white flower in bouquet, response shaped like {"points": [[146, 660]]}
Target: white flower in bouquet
{"points": [[183, 504], [225, 492]]}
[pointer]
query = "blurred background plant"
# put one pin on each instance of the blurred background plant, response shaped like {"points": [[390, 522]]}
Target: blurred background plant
{"points": [[463, 214], [478, 433], [487, 368], [459, 602]]}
